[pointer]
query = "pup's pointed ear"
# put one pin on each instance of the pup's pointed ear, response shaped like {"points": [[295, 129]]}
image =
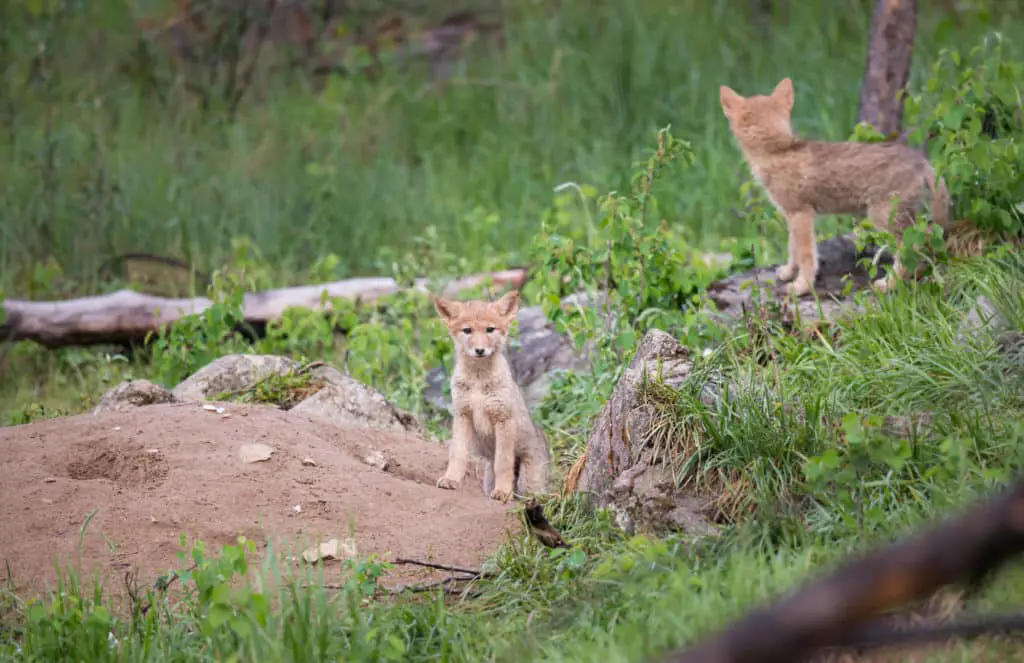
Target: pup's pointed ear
{"points": [[508, 305], [731, 102], [446, 308], [783, 93]]}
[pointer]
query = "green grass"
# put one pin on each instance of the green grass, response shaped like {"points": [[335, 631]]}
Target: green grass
{"points": [[364, 166], [805, 479], [397, 172]]}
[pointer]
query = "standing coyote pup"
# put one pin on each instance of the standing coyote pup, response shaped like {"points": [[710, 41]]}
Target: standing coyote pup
{"points": [[804, 178], [491, 417]]}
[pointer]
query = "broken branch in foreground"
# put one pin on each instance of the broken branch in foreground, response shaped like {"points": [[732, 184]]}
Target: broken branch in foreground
{"points": [[126, 317], [831, 610]]}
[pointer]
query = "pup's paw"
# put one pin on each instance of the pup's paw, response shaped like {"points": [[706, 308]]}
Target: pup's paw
{"points": [[800, 287], [883, 284], [786, 272], [502, 496], [447, 484]]}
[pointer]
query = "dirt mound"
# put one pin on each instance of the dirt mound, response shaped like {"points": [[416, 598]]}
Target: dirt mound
{"points": [[153, 473]]}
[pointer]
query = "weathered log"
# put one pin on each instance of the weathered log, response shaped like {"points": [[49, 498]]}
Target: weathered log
{"points": [[126, 317], [621, 468], [833, 610], [891, 44]]}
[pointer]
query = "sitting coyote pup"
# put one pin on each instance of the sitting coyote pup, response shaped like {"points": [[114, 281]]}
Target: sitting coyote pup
{"points": [[491, 417], [804, 178]]}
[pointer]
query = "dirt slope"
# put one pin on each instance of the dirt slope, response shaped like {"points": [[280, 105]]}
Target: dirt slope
{"points": [[157, 471]]}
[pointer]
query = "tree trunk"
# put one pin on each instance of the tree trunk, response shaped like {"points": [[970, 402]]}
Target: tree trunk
{"points": [[890, 46]]}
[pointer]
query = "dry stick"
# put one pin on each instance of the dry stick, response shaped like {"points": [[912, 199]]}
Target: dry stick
{"points": [[441, 567], [826, 612], [424, 587]]}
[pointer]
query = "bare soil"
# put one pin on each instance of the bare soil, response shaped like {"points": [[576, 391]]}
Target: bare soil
{"points": [[156, 472]]}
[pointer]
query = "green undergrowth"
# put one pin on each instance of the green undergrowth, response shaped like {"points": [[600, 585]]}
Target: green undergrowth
{"points": [[798, 443], [361, 166], [284, 390], [824, 439]]}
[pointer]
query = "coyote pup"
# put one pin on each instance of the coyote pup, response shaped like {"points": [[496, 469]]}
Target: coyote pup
{"points": [[804, 178], [491, 417]]}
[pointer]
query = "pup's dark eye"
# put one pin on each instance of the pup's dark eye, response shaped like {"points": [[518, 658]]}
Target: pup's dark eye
{"points": [[490, 329], [467, 330]]}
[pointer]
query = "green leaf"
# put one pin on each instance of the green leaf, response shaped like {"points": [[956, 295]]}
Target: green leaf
{"points": [[954, 117], [217, 616]]}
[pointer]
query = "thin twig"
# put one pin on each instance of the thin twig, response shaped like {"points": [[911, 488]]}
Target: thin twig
{"points": [[416, 589], [441, 567], [310, 366]]}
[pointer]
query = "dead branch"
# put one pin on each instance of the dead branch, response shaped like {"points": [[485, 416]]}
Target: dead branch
{"points": [[445, 585], [127, 317], [441, 567], [829, 611]]}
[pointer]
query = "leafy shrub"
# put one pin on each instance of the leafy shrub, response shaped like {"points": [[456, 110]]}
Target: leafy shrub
{"points": [[970, 109]]}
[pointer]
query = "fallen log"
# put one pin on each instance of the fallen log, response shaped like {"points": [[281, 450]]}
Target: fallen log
{"points": [[834, 610], [126, 317]]}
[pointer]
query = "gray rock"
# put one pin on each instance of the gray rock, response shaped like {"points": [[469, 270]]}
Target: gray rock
{"points": [[646, 501], [1011, 344], [132, 394], [983, 315], [839, 275], [346, 401], [232, 374], [343, 400]]}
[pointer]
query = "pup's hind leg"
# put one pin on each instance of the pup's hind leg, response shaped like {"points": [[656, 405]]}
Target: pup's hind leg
{"points": [[534, 472]]}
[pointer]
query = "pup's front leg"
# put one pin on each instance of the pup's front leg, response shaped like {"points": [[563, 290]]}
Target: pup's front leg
{"points": [[788, 271], [505, 434], [458, 452], [806, 252]]}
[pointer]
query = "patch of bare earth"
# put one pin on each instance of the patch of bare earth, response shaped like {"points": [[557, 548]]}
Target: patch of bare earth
{"points": [[155, 472]]}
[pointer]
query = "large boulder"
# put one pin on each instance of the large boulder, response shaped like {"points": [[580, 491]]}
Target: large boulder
{"points": [[840, 273], [132, 394], [344, 400], [334, 397], [232, 374]]}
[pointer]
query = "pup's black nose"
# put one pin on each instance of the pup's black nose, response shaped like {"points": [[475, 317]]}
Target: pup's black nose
{"points": [[479, 352]]}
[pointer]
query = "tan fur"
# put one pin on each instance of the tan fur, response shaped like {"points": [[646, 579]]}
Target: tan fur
{"points": [[805, 178], [492, 420]]}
